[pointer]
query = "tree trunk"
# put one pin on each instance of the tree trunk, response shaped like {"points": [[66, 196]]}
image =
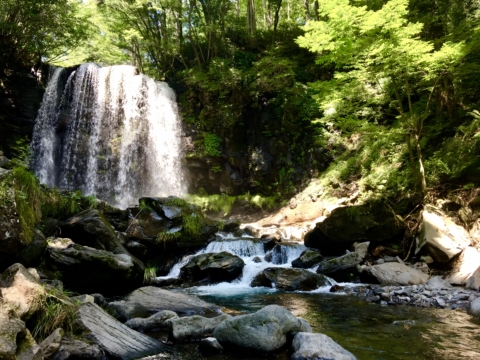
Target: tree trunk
{"points": [[251, 21], [316, 7], [307, 10]]}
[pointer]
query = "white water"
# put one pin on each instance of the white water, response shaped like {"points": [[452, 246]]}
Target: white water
{"points": [[248, 250], [109, 132]]}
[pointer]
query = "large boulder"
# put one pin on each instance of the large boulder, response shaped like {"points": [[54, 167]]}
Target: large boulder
{"points": [[20, 289], [397, 274], [117, 340], [474, 280], [307, 259], [213, 267], [27, 348], [155, 299], [308, 346], [290, 279], [11, 329], [464, 266], [88, 270], [373, 221], [342, 267], [441, 237], [125, 310], [264, 331], [32, 253], [194, 327], [158, 321], [51, 344]]}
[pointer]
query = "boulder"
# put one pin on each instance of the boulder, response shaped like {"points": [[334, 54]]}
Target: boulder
{"points": [[27, 348], [117, 340], [251, 231], [361, 248], [339, 264], [155, 299], [11, 329], [194, 327], [307, 259], [126, 310], [20, 289], [397, 274], [308, 346], [99, 299], [213, 267], [290, 279], [264, 331], [464, 266], [231, 225], [373, 221], [30, 255], [52, 343], [474, 308], [73, 349], [158, 321], [441, 237], [474, 280], [270, 240], [210, 345], [86, 269], [438, 283], [83, 298]]}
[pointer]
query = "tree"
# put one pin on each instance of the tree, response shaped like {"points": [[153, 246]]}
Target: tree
{"points": [[383, 51]]}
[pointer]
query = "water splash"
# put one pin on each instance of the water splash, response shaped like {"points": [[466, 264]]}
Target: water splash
{"points": [[111, 132]]}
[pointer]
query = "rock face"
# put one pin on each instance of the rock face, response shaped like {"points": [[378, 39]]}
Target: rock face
{"points": [[20, 289], [117, 340], [307, 259], [374, 221], [290, 279], [464, 267], [51, 344], [339, 264], [307, 346], [155, 299], [158, 321], [87, 270], [194, 327], [213, 267], [397, 274], [441, 237], [264, 331], [126, 310], [11, 329]]}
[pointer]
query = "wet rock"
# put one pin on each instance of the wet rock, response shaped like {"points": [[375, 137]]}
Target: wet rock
{"points": [[71, 349], [340, 264], [308, 346], [51, 344], [270, 240], [158, 321], [30, 255], [257, 260], [397, 274], [252, 231], [373, 221], [280, 252], [155, 299], [307, 259], [290, 279], [210, 345], [126, 310], [464, 266], [337, 288], [20, 289], [442, 238], [86, 269], [117, 340], [194, 327], [251, 333], [231, 225], [213, 267]]}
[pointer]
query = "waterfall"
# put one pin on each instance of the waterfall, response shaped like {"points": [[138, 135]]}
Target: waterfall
{"points": [[109, 132], [240, 247]]}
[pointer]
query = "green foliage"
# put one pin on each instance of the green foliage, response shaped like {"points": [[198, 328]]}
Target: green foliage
{"points": [[149, 274], [61, 204], [212, 142]]}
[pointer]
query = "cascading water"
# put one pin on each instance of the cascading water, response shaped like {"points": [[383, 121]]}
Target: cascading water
{"points": [[109, 132]]}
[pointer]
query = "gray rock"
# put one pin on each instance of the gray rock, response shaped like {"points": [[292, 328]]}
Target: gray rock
{"points": [[30, 255], [11, 329], [157, 321], [125, 310], [307, 259], [3, 161], [437, 282], [27, 348], [4, 173], [465, 266], [84, 298], [264, 331], [308, 346], [256, 259], [397, 274], [71, 349], [194, 327], [51, 344], [290, 279], [213, 268], [250, 230], [155, 299], [210, 345], [345, 262], [474, 308], [117, 340], [474, 280], [361, 248], [99, 299]]}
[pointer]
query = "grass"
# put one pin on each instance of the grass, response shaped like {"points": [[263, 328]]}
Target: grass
{"points": [[149, 274]]}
